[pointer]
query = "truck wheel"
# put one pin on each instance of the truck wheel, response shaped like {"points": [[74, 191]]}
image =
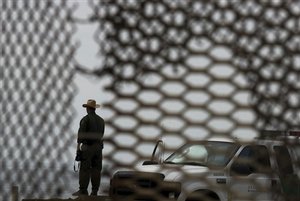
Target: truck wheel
{"points": [[204, 195]]}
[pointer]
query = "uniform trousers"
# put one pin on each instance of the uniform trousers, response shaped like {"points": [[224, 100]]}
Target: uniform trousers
{"points": [[90, 166]]}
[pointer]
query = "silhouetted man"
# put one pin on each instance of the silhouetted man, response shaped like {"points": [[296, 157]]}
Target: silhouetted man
{"points": [[89, 149]]}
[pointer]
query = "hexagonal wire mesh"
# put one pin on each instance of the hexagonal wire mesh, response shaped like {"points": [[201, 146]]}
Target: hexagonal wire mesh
{"points": [[36, 91], [183, 70]]}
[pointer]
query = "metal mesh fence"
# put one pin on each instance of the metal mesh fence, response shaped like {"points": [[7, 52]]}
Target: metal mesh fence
{"points": [[36, 91], [182, 70]]}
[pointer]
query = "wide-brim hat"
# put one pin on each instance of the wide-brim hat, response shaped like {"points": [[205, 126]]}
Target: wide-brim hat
{"points": [[91, 103]]}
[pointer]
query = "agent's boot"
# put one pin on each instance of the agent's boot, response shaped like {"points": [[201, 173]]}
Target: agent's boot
{"points": [[80, 193], [94, 193]]}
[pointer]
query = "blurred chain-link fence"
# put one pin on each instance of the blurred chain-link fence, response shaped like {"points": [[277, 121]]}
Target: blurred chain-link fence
{"points": [[36, 92], [182, 70]]}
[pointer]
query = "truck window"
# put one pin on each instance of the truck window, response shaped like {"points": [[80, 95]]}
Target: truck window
{"points": [[290, 182], [283, 160], [252, 159], [193, 153], [210, 154], [296, 149]]}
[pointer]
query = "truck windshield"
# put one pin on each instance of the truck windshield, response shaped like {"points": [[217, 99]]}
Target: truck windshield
{"points": [[297, 152], [210, 154]]}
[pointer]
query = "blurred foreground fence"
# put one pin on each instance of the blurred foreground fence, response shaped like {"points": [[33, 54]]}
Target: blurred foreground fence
{"points": [[36, 92], [181, 70]]}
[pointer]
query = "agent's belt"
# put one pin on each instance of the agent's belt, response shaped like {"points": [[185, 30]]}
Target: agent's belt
{"points": [[91, 142]]}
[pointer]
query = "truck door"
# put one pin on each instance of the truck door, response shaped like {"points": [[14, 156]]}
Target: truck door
{"points": [[290, 182], [157, 156], [251, 175]]}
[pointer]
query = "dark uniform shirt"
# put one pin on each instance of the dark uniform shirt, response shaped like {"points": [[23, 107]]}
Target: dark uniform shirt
{"points": [[91, 129]]}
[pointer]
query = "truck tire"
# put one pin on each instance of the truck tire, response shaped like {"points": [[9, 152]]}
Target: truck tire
{"points": [[203, 195]]}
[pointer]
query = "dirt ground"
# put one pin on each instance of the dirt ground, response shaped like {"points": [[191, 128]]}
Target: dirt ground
{"points": [[81, 198]]}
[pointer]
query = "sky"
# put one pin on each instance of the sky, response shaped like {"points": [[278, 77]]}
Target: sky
{"points": [[87, 56]]}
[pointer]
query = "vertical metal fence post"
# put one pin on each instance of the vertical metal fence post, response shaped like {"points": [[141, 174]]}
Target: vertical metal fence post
{"points": [[14, 193]]}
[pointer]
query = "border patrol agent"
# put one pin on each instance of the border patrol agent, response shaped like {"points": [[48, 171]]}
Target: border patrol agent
{"points": [[89, 149]]}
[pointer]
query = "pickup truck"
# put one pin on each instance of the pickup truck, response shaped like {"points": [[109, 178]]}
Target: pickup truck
{"points": [[217, 169]]}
